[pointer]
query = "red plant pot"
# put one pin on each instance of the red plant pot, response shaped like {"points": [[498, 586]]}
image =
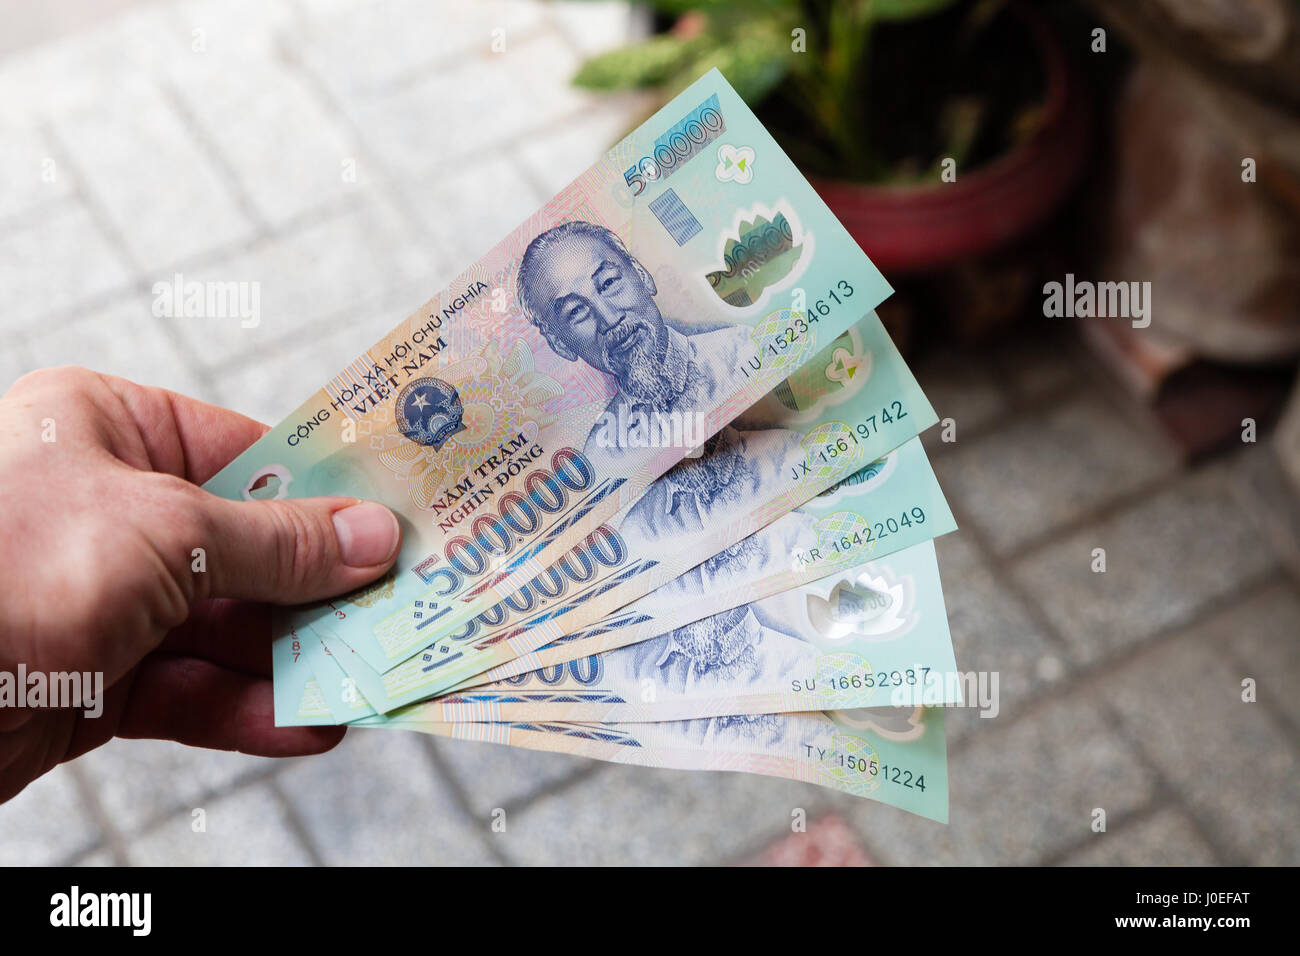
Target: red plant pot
{"points": [[910, 229]]}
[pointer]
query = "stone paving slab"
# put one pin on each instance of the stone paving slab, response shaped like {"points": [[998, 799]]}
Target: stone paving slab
{"points": [[165, 199], [1233, 763], [318, 277], [139, 782], [122, 338], [1164, 838], [245, 828], [1021, 795], [283, 146], [256, 385], [993, 632], [377, 799], [1264, 639], [647, 816], [964, 388], [492, 776], [555, 160], [449, 204], [29, 178], [56, 263], [1167, 557], [827, 841], [1047, 469], [47, 823]]}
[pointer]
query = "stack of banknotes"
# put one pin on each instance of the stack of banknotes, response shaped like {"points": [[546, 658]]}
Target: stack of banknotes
{"points": [[661, 487]]}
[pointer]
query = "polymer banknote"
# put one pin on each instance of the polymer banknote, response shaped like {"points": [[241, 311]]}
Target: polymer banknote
{"points": [[872, 636], [890, 505], [663, 292], [896, 756], [818, 427]]}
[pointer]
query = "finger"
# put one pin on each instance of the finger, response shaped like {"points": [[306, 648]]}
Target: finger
{"points": [[292, 551], [184, 436], [232, 634], [199, 704]]}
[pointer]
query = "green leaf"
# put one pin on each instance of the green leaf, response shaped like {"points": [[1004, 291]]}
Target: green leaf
{"points": [[755, 60], [907, 9], [645, 64]]}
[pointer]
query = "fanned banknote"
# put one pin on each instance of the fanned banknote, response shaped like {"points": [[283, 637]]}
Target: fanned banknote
{"points": [[896, 756], [892, 504], [815, 429], [624, 323], [567, 582], [889, 505], [872, 636]]}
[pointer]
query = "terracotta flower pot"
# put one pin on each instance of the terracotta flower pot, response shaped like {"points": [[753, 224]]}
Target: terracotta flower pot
{"points": [[916, 228]]}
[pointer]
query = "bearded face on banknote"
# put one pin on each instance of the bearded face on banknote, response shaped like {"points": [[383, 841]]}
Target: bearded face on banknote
{"points": [[595, 302]]}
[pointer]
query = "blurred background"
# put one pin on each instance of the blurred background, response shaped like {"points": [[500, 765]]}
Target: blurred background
{"points": [[351, 157]]}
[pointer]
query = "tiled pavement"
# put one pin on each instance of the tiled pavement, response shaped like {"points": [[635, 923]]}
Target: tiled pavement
{"points": [[349, 158]]}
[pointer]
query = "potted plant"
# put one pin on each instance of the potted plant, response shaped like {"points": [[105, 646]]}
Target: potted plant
{"points": [[877, 99]]}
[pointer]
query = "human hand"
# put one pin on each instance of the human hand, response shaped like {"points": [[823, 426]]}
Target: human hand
{"points": [[97, 537]]}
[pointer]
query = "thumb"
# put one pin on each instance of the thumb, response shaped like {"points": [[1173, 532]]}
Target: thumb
{"points": [[296, 550]]}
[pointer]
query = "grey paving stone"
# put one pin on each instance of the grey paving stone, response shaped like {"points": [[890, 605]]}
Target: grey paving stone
{"points": [[1233, 763], [963, 387], [123, 338], [140, 781], [1040, 361], [1166, 559], [15, 361], [1264, 637], [1165, 838], [460, 113], [647, 816], [493, 776], [233, 29], [274, 381], [992, 632], [1047, 469], [469, 209], [286, 149], [376, 800], [556, 157], [1019, 794], [246, 828], [45, 823], [596, 27], [98, 857], [54, 262], [74, 72], [29, 176], [153, 179], [326, 271], [417, 36]]}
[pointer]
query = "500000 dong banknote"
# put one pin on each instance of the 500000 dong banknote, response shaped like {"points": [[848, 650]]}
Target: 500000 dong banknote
{"points": [[663, 285], [896, 756], [845, 407], [872, 636], [892, 504]]}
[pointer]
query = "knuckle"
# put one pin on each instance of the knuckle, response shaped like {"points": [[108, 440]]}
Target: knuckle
{"points": [[302, 550]]}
